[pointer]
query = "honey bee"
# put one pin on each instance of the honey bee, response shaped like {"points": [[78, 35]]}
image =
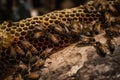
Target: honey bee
{"points": [[112, 32], [109, 18], [45, 53], [97, 28], [37, 64], [58, 29], [38, 31], [112, 8], [76, 27], [37, 34], [102, 49], [33, 59], [29, 47], [22, 67], [53, 38], [64, 26], [19, 50], [111, 44], [28, 54]]}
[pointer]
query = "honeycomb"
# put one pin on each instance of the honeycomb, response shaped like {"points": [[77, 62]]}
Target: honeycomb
{"points": [[42, 35], [26, 30]]}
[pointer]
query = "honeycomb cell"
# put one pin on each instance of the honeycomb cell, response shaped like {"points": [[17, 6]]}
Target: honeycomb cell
{"points": [[46, 18], [27, 23], [75, 18], [80, 19], [50, 45], [17, 34], [14, 27], [40, 44], [41, 40], [35, 41], [3, 27], [9, 24], [33, 22], [27, 37], [51, 21], [74, 11], [22, 25], [25, 28], [66, 15], [87, 15], [85, 19], [23, 33], [98, 15], [82, 15], [12, 31], [19, 29], [69, 19], [92, 15], [79, 10], [35, 18], [21, 38], [31, 27], [91, 8], [48, 15], [57, 14], [44, 47], [90, 19], [46, 23], [63, 12], [53, 17], [63, 19], [46, 43], [72, 15], [8, 29], [40, 17], [77, 15]]}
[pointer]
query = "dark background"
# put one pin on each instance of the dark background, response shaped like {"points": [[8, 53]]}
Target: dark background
{"points": [[15, 10]]}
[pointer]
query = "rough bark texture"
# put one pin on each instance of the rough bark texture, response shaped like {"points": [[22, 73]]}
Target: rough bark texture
{"points": [[82, 63]]}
